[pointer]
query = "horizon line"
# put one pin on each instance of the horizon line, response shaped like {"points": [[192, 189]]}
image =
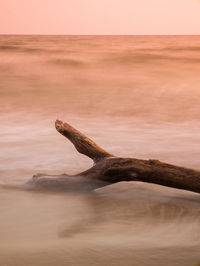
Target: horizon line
{"points": [[62, 34]]}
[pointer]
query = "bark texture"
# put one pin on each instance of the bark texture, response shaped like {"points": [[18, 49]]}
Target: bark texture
{"points": [[109, 169]]}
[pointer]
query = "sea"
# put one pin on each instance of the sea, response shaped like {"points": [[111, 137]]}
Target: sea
{"points": [[136, 96]]}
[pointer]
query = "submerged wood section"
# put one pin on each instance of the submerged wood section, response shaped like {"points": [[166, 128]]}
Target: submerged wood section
{"points": [[111, 169]]}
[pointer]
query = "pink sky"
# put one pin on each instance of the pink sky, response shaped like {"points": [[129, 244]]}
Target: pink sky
{"points": [[100, 17]]}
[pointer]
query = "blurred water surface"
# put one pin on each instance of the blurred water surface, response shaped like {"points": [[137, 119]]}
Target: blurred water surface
{"points": [[137, 96]]}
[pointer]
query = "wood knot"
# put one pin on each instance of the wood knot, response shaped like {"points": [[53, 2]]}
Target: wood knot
{"points": [[154, 162]]}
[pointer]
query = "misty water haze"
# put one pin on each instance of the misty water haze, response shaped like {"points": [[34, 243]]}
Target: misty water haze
{"points": [[136, 96]]}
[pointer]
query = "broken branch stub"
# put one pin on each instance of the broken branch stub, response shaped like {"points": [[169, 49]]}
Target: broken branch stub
{"points": [[83, 144]]}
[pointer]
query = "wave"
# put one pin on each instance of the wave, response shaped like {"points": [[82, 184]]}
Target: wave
{"points": [[170, 48], [179, 48], [14, 48], [147, 58], [67, 62], [9, 47]]}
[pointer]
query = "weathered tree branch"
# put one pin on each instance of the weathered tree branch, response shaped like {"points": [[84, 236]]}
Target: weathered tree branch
{"points": [[83, 144], [110, 169]]}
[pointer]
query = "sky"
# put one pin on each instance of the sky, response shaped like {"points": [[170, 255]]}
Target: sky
{"points": [[100, 17]]}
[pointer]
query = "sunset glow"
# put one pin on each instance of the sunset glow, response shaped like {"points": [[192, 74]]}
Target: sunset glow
{"points": [[100, 17], [99, 140]]}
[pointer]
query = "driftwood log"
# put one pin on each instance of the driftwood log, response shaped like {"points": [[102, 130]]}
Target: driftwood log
{"points": [[110, 169]]}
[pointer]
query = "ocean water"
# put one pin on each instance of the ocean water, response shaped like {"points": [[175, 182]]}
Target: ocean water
{"points": [[136, 96]]}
